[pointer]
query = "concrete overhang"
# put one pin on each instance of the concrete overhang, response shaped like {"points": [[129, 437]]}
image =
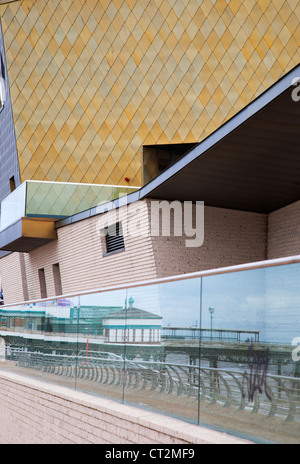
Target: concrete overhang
{"points": [[27, 234]]}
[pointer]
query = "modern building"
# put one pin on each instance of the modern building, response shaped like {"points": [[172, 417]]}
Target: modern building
{"points": [[250, 212], [100, 98], [116, 117]]}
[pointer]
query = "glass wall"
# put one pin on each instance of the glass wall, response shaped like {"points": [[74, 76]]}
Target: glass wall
{"points": [[218, 350], [56, 200], [13, 207]]}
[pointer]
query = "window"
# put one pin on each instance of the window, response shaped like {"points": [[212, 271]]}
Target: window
{"points": [[42, 280], [2, 84], [114, 239], [12, 184], [157, 158], [57, 279]]}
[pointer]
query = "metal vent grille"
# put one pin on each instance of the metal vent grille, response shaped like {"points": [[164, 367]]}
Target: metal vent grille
{"points": [[114, 238]]}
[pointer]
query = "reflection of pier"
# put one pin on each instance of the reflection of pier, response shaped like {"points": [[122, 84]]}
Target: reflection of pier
{"points": [[227, 346], [196, 333], [230, 353]]}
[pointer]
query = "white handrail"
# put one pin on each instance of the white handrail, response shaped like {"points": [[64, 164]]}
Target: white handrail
{"points": [[193, 275]]}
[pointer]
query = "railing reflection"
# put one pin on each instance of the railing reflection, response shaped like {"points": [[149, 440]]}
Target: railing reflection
{"points": [[194, 333], [226, 387]]}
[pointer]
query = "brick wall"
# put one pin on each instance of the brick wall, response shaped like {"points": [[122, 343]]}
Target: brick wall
{"points": [[34, 412], [230, 238], [12, 277], [79, 251], [284, 231]]}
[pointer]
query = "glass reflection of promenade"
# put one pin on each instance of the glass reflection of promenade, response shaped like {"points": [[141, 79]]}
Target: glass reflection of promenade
{"points": [[158, 347]]}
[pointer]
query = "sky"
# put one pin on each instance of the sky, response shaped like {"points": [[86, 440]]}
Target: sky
{"points": [[265, 300]]}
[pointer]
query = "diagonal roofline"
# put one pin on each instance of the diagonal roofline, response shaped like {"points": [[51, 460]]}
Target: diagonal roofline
{"points": [[251, 110]]}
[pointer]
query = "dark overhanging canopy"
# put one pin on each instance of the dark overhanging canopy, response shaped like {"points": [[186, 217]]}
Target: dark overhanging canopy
{"points": [[251, 163]]}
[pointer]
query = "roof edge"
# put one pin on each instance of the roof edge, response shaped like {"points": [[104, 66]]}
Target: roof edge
{"points": [[259, 103]]}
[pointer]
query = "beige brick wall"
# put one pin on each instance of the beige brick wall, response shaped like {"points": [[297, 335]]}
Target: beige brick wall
{"points": [[12, 277], [284, 231], [34, 412], [230, 238], [79, 252]]}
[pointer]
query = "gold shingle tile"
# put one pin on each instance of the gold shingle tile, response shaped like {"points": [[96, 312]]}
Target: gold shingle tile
{"points": [[91, 82]]}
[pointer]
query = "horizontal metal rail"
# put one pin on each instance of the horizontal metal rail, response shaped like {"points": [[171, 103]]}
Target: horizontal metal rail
{"points": [[217, 271]]}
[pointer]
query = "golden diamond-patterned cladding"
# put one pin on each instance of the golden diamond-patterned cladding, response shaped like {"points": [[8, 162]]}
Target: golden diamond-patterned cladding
{"points": [[94, 80]]}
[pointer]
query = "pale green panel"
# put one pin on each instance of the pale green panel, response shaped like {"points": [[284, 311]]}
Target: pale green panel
{"points": [[63, 199]]}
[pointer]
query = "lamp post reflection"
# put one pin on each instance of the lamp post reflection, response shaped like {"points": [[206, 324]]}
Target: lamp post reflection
{"points": [[211, 311]]}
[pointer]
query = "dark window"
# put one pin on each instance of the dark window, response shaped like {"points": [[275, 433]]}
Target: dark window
{"points": [[42, 280], [157, 158], [114, 238], [2, 84], [12, 184], [57, 279]]}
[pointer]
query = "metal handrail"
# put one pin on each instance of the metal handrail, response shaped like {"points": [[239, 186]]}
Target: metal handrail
{"points": [[210, 272]]}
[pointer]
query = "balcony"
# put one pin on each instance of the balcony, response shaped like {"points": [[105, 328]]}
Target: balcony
{"points": [[29, 213]]}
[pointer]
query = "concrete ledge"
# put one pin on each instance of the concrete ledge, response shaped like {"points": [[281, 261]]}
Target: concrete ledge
{"points": [[33, 411]]}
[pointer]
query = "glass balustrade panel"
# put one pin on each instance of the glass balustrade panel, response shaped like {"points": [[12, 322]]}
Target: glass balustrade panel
{"points": [[101, 344], [219, 350], [41, 339], [13, 207], [250, 374], [162, 348]]}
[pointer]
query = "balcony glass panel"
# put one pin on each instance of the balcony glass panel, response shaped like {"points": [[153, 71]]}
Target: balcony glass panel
{"points": [[101, 360], [56, 200], [13, 207], [215, 349], [163, 348], [47, 199]]}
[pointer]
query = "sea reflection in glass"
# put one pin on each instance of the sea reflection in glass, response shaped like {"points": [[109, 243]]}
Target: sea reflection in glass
{"points": [[246, 362], [101, 351], [162, 349], [41, 338]]}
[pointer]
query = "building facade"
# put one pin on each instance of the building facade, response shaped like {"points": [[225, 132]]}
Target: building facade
{"points": [[150, 211], [101, 89], [102, 93]]}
